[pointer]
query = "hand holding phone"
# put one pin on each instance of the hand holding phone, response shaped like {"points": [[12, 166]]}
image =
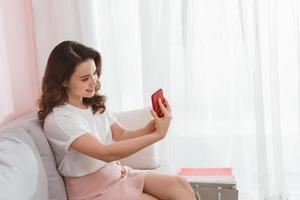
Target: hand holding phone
{"points": [[161, 113], [155, 104]]}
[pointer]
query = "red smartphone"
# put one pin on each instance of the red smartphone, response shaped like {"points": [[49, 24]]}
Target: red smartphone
{"points": [[155, 105]]}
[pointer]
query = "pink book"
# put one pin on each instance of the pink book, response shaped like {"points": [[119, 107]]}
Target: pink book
{"points": [[205, 172]]}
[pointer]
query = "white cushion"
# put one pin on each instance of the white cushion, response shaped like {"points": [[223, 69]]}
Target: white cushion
{"points": [[145, 158], [29, 122], [22, 174]]}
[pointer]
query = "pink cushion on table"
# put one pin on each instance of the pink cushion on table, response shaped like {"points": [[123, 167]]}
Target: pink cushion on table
{"points": [[205, 172]]}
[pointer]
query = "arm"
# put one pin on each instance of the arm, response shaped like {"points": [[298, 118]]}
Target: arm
{"points": [[119, 133], [89, 145]]}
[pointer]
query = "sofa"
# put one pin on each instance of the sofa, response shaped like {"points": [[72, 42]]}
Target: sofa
{"points": [[27, 164]]}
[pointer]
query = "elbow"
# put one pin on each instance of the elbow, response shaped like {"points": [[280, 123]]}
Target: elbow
{"points": [[106, 156], [120, 136], [108, 159]]}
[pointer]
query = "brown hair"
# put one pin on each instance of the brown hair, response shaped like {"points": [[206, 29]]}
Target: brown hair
{"points": [[63, 60]]}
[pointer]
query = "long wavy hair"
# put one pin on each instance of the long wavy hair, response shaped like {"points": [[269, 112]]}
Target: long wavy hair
{"points": [[63, 60]]}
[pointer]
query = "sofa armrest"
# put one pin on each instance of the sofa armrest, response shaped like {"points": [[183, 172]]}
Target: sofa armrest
{"points": [[145, 158]]}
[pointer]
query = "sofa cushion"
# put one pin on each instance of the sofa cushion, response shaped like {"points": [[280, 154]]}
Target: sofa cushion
{"points": [[22, 172], [29, 122], [145, 158]]}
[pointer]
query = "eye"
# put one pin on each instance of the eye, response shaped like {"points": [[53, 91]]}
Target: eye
{"points": [[85, 79], [95, 75]]}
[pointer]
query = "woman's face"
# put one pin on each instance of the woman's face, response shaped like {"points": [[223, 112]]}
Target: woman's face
{"points": [[83, 81]]}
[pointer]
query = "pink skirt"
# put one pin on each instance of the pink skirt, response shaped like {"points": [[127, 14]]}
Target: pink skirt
{"points": [[112, 182]]}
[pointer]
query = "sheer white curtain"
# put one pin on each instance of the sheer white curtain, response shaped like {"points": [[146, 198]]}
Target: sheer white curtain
{"points": [[229, 68]]}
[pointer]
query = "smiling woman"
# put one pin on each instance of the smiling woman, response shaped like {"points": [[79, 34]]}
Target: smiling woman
{"points": [[77, 85], [80, 128]]}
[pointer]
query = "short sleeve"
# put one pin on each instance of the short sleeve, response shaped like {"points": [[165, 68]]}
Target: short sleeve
{"points": [[111, 118], [63, 128]]}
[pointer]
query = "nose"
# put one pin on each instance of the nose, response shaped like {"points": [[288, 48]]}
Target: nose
{"points": [[94, 80]]}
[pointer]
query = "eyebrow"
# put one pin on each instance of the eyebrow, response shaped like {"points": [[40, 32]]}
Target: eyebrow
{"points": [[87, 74]]}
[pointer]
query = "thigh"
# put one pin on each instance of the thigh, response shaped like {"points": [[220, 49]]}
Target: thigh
{"points": [[160, 185], [145, 196]]}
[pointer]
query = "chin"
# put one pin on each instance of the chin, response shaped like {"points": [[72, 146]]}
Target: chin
{"points": [[89, 95]]}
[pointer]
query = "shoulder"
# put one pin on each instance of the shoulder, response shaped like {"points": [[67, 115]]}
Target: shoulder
{"points": [[110, 116], [64, 110], [61, 115]]}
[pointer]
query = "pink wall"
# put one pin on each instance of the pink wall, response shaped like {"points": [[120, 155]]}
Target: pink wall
{"points": [[20, 75]]}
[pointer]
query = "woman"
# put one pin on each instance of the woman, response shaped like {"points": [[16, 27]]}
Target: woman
{"points": [[80, 131]]}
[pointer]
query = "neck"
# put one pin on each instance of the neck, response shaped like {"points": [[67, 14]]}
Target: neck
{"points": [[77, 102], [79, 105]]}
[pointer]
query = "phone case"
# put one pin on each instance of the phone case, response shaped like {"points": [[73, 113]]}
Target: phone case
{"points": [[155, 105]]}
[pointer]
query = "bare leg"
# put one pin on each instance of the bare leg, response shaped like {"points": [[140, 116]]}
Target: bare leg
{"points": [[168, 187], [145, 196]]}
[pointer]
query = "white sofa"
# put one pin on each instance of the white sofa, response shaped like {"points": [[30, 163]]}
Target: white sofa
{"points": [[27, 165]]}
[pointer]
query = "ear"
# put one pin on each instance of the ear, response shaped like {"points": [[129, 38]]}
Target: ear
{"points": [[65, 84]]}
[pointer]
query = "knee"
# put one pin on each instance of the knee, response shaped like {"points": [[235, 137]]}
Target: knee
{"points": [[182, 182], [184, 188]]}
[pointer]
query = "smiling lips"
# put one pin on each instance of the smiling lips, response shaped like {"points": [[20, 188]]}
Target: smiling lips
{"points": [[90, 90]]}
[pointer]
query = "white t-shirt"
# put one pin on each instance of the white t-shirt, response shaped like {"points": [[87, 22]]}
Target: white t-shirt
{"points": [[64, 125]]}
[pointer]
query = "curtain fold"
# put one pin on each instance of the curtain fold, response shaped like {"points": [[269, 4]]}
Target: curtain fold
{"points": [[262, 167], [275, 102]]}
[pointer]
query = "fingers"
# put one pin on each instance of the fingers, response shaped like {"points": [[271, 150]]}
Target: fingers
{"points": [[169, 109], [153, 113], [163, 108]]}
